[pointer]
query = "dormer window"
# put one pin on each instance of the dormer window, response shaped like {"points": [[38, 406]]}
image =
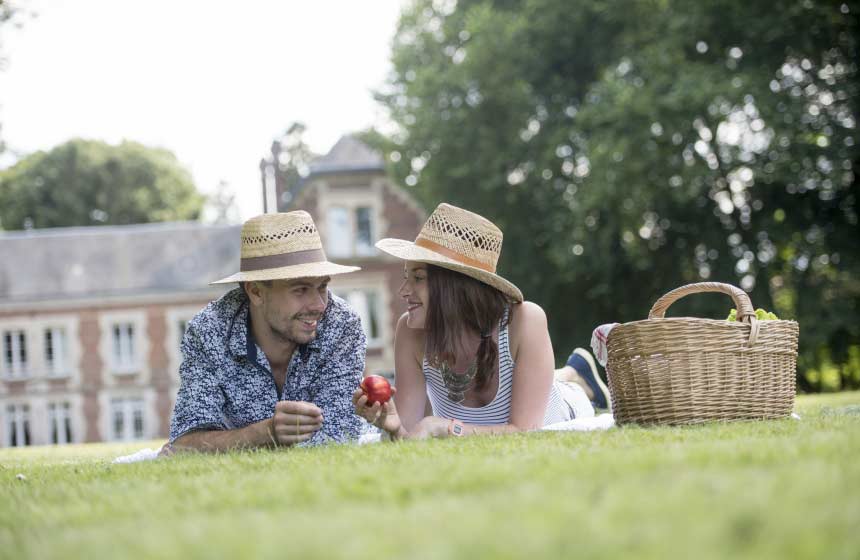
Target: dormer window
{"points": [[368, 304], [363, 231], [350, 231]]}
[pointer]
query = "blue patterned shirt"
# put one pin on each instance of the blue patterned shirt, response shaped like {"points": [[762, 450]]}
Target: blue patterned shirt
{"points": [[226, 381]]}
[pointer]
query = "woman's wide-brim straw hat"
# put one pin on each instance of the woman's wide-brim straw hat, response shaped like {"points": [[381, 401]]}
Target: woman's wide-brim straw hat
{"points": [[283, 246], [458, 240]]}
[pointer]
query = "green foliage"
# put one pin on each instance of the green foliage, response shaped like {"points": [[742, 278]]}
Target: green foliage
{"points": [[629, 147], [85, 182], [12, 14], [6, 14], [760, 314], [784, 489], [289, 164]]}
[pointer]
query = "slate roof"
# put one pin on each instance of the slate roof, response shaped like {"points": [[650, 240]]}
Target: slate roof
{"points": [[348, 154], [82, 262]]}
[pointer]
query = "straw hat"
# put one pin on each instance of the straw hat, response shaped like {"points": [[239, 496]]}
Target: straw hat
{"points": [[282, 247], [458, 240]]}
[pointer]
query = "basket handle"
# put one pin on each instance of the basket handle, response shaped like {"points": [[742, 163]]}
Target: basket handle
{"points": [[740, 297]]}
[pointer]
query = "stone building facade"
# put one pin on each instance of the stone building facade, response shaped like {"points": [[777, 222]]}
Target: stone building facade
{"points": [[90, 324]]}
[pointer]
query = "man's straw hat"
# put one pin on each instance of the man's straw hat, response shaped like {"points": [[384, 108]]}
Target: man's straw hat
{"points": [[282, 247], [458, 240]]}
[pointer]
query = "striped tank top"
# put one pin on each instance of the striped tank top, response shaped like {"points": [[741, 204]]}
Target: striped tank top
{"points": [[498, 411]]}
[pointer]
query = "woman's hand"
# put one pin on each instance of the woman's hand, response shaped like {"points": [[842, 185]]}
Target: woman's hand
{"points": [[383, 416], [431, 427]]}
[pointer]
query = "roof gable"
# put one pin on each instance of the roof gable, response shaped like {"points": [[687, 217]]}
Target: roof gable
{"points": [[348, 154]]}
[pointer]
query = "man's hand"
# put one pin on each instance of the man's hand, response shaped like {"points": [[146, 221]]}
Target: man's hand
{"points": [[295, 422]]}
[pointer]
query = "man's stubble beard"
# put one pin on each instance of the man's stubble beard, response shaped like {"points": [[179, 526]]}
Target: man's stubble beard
{"points": [[284, 335]]}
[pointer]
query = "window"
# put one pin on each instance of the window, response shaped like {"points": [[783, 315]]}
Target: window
{"points": [[178, 322], [15, 354], [123, 347], [18, 425], [127, 419], [137, 422], [349, 231], [183, 327], [123, 344], [366, 303], [363, 232], [60, 422], [56, 352], [339, 237]]}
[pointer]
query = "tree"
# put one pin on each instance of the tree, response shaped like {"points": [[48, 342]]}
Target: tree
{"points": [[221, 206], [10, 16], [288, 165], [85, 182], [629, 147]]}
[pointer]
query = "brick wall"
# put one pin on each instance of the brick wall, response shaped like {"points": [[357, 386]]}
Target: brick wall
{"points": [[89, 388]]}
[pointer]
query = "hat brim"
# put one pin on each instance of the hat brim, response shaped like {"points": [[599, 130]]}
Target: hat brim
{"points": [[308, 270], [409, 251]]}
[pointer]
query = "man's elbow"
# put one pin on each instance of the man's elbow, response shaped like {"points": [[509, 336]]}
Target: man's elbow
{"points": [[195, 440], [188, 441]]}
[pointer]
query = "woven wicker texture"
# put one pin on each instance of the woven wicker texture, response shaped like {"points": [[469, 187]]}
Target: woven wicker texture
{"points": [[458, 240], [465, 233], [690, 370], [273, 234]]}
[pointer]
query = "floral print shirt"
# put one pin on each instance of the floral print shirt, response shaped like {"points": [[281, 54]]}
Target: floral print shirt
{"points": [[226, 382]]}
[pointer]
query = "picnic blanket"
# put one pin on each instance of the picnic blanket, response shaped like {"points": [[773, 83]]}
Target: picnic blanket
{"points": [[146, 454], [599, 422]]}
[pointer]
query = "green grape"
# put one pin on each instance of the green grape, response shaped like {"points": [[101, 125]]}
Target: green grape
{"points": [[760, 314]]}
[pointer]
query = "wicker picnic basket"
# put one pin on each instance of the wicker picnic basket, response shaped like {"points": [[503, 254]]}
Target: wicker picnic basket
{"points": [[688, 370]]}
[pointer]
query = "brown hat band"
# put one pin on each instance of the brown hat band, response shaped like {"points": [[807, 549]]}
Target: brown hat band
{"points": [[284, 259], [445, 251]]}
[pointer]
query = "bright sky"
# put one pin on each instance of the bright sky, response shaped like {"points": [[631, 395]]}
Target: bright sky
{"points": [[213, 81]]}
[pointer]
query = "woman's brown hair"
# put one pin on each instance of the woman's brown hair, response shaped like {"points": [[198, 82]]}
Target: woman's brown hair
{"points": [[458, 304]]}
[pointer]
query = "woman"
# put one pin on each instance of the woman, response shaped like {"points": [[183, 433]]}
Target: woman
{"points": [[470, 344]]}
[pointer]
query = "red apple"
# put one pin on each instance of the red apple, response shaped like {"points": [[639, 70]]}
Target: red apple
{"points": [[376, 388]]}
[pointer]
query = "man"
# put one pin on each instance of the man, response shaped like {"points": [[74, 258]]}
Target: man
{"points": [[275, 361]]}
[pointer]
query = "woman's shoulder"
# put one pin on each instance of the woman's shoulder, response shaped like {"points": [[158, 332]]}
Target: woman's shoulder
{"points": [[527, 317], [528, 313]]}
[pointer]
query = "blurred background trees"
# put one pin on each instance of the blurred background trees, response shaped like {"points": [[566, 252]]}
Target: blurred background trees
{"points": [[286, 167], [84, 182], [10, 16], [629, 147]]}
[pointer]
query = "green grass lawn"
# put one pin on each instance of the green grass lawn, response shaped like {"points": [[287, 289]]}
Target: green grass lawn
{"points": [[751, 490]]}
